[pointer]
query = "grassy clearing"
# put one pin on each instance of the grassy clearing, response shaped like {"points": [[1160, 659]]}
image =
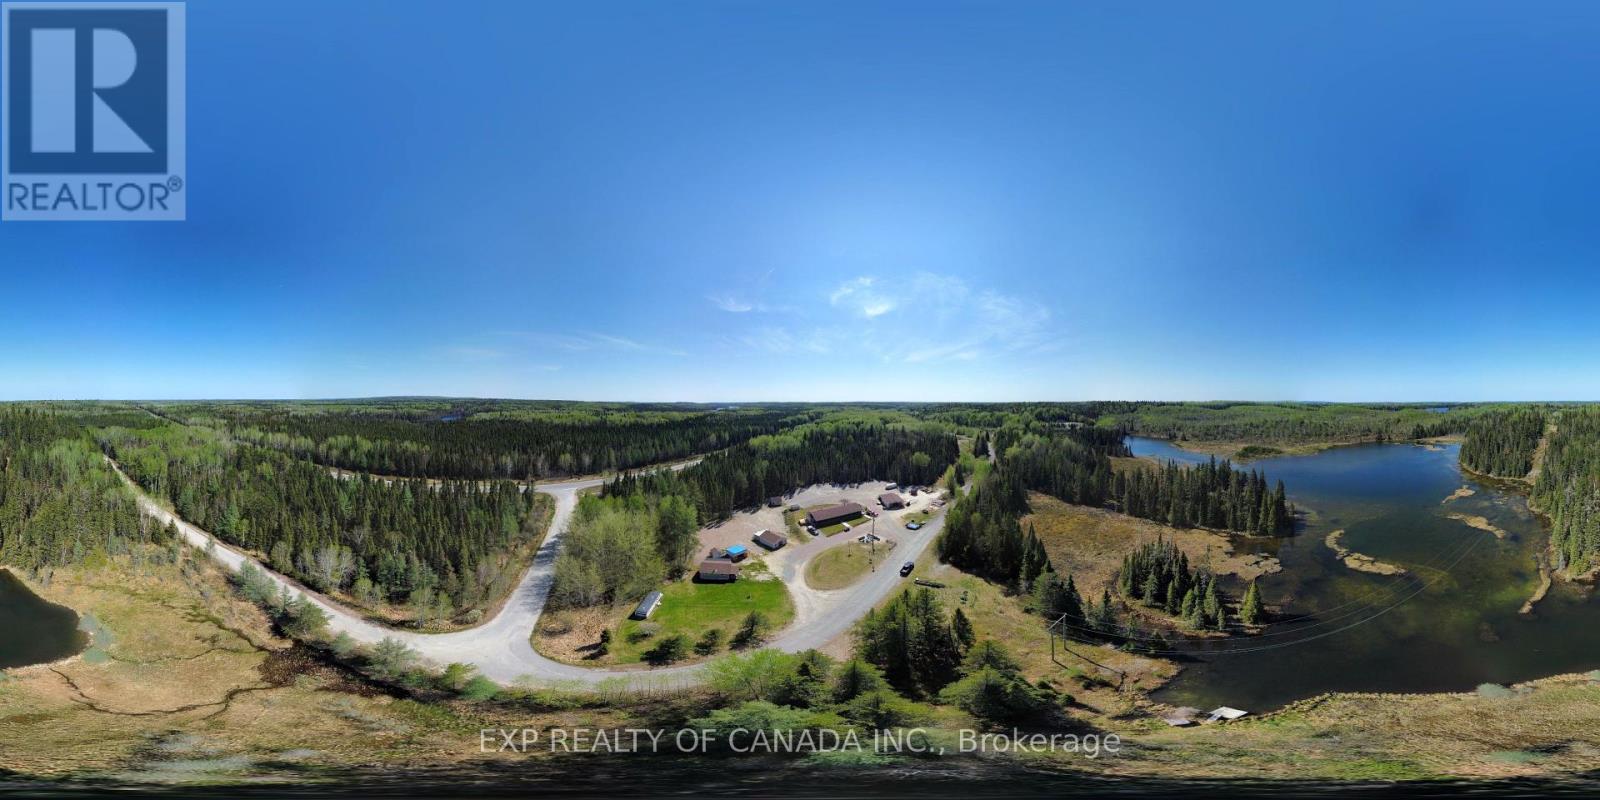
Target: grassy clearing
{"points": [[838, 567], [189, 684], [1090, 674], [1534, 728], [690, 609], [1089, 543]]}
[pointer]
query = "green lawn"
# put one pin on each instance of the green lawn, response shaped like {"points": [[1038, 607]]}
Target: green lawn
{"points": [[840, 528], [693, 608], [841, 566]]}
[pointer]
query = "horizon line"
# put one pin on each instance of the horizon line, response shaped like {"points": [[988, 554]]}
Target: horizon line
{"points": [[477, 398]]}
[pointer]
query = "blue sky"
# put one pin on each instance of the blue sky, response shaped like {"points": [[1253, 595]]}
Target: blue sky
{"points": [[850, 200]]}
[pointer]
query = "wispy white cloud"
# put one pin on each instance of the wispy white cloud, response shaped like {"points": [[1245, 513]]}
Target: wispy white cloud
{"points": [[590, 341], [744, 303], [863, 296], [779, 340], [731, 304]]}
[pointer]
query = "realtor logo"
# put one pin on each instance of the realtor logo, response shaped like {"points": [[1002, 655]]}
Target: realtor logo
{"points": [[92, 111]]}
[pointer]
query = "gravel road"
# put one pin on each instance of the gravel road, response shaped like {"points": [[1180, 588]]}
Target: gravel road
{"points": [[500, 646]]}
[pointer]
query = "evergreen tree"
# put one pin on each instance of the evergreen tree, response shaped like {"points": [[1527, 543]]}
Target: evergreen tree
{"points": [[961, 628], [1250, 610]]}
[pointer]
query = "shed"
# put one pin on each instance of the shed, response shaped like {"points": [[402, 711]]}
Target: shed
{"points": [[738, 552], [718, 571], [824, 517], [1223, 713], [770, 540], [647, 606], [891, 500]]}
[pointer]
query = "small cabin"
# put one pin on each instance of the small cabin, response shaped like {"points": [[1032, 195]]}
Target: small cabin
{"points": [[891, 501], [770, 540], [737, 552], [713, 570], [647, 606]]}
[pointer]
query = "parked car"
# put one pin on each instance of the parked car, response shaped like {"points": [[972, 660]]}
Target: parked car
{"points": [[905, 569], [891, 487], [913, 525]]}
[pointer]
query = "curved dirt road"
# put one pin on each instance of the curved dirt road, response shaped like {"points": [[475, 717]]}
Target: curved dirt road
{"points": [[500, 647]]}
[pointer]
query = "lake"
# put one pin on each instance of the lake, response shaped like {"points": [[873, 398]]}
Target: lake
{"points": [[33, 631], [1450, 624]]}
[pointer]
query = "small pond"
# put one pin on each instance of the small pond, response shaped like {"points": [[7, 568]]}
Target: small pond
{"points": [[33, 631]]}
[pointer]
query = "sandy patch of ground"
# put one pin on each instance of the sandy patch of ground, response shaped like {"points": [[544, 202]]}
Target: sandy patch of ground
{"points": [[1479, 522], [1360, 562], [1089, 543], [1545, 582]]}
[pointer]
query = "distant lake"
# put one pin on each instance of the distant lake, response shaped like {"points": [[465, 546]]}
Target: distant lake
{"points": [[33, 631], [1449, 625]]}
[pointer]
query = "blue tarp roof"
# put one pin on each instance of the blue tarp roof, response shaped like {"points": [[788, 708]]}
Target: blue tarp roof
{"points": [[738, 548]]}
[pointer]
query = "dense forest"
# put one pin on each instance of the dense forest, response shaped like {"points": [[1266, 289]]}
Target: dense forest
{"points": [[1501, 443], [1074, 465], [1158, 575], [851, 448], [1211, 495], [1287, 423], [486, 440], [1568, 489], [621, 546], [982, 533], [60, 503], [439, 549]]}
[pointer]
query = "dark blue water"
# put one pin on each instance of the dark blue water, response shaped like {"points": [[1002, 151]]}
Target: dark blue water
{"points": [[1449, 625], [33, 631]]}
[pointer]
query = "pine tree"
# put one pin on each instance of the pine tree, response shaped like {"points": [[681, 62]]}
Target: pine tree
{"points": [[1250, 611], [961, 628]]}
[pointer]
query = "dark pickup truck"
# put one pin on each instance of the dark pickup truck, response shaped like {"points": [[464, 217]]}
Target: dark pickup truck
{"points": [[905, 569]]}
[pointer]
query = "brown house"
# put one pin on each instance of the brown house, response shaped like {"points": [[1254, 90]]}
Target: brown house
{"points": [[831, 515], [770, 540], [717, 570], [891, 501]]}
